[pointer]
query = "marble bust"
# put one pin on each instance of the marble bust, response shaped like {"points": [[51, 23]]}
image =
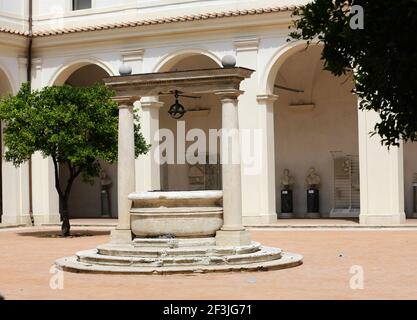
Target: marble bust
{"points": [[287, 180], [105, 180], [313, 179]]}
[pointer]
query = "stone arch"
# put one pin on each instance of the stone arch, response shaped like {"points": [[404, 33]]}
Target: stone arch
{"points": [[203, 114], [67, 69], [278, 59], [85, 201], [6, 83], [312, 128], [172, 58]]}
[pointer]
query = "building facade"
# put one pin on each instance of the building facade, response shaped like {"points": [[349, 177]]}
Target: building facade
{"points": [[298, 116]]}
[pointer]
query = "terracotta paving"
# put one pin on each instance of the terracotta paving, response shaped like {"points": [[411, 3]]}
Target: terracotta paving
{"points": [[388, 259]]}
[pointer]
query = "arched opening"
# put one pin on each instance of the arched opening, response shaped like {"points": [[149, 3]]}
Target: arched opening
{"points": [[81, 67], [203, 114], [87, 199], [175, 60], [5, 89], [316, 126]]}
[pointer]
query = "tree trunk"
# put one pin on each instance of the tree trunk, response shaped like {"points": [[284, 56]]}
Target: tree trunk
{"points": [[66, 227]]}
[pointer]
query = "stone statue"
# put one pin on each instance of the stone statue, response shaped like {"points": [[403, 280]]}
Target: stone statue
{"points": [[105, 180], [287, 180], [313, 179], [106, 183], [346, 166]]}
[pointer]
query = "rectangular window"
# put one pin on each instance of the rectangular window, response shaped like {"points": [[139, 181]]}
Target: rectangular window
{"points": [[81, 4]]}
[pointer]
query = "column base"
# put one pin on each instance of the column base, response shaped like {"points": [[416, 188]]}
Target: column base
{"points": [[260, 219], [25, 219], [382, 219], [40, 219], [121, 236], [233, 238]]}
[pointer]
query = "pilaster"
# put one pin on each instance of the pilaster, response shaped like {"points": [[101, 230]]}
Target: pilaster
{"points": [[381, 176]]}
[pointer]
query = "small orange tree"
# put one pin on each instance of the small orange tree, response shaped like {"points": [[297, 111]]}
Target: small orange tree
{"points": [[73, 126]]}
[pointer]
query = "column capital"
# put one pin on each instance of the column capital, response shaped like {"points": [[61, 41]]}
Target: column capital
{"points": [[229, 95], [151, 102], [125, 101], [267, 97]]}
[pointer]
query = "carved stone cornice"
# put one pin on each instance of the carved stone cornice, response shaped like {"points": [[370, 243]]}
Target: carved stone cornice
{"points": [[191, 81], [126, 101]]}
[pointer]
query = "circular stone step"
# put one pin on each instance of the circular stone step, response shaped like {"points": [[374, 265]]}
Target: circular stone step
{"points": [[133, 251], [174, 242], [71, 264], [261, 255]]}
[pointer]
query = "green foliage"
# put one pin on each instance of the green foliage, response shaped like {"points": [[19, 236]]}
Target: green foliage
{"points": [[382, 56], [73, 126]]}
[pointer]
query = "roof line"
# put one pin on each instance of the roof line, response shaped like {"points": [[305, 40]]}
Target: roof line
{"points": [[147, 22]]}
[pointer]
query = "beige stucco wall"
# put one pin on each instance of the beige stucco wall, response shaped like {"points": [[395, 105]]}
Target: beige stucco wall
{"points": [[306, 138]]}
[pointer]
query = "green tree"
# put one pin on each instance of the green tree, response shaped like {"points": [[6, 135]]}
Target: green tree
{"points": [[74, 126], [382, 55]]}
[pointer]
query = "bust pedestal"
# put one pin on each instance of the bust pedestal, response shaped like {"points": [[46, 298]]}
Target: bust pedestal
{"points": [[105, 203], [286, 204], [313, 203]]}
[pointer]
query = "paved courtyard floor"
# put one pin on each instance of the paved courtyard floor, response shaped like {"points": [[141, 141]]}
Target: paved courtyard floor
{"points": [[388, 259]]}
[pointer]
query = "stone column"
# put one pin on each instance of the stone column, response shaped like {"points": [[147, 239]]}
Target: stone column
{"points": [[44, 195], [15, 183], [254, 117], [125, 169], [147, 169], [232, 233], [381, 176], [267, 186]]}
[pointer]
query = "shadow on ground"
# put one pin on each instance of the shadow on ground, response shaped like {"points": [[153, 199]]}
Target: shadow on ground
{"points": [[57, 234]]}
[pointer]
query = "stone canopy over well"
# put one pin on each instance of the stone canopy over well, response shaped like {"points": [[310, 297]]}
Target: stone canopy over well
{"points": [[166, 232]]}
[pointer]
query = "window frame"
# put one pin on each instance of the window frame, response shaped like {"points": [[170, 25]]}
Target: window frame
{"points": [[73, 9]]}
